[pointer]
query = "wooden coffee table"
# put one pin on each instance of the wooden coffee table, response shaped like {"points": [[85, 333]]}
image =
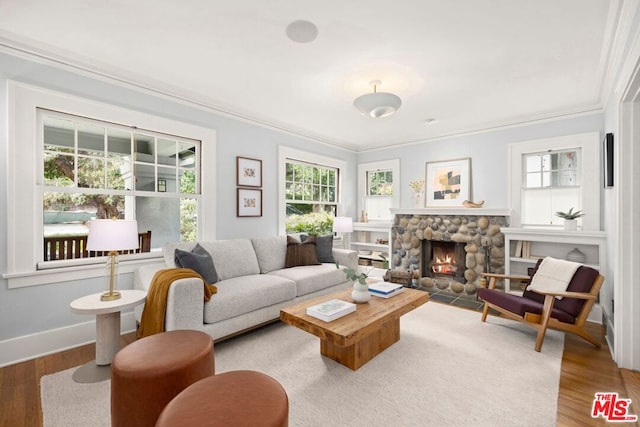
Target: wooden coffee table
{"points": [[356, 338]]}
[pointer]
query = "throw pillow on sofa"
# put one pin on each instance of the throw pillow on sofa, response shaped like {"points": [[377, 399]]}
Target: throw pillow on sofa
{"points": [[324, 248], [301, 253], [198, 260]]}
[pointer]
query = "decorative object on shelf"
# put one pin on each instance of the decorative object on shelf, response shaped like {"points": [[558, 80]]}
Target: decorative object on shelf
{"points": [[576, 255], [112, 235], [363, 216], [448, 182], [344, 225], [418, 193], [249, 172], [470, 204], [377, 104], [570, 219], [249, 202]]}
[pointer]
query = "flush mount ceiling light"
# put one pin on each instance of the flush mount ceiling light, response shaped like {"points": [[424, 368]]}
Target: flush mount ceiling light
{"points": [[377, 104], [302, 31]]}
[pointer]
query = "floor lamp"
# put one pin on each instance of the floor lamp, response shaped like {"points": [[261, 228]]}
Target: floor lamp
{"points": [[344, 225], [112, 235]]}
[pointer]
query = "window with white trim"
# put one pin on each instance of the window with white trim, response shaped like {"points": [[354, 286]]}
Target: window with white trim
{"points": [[96, 169], [379, 186], [26, 183], [550, 183], [555, 174]]}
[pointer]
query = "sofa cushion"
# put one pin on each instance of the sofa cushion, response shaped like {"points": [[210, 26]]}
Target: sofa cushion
{"points": [[169, 252], [233, 258], [271, 252], [199, 260], [324, 248], [301, 253], [241, 295], [312, 278]]}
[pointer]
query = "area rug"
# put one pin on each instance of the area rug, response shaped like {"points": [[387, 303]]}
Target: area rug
{"points": [[448, 368]]}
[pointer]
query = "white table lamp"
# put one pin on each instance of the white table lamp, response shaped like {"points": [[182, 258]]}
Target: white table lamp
{"points": [[343, 224], [112, 235]]}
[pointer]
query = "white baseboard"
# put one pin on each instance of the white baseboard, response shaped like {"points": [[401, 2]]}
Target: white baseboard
{"points": [[595, 315], [29, 347]]}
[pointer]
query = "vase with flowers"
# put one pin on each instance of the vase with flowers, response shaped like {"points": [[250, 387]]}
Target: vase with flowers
{"points": [[418, 192]]}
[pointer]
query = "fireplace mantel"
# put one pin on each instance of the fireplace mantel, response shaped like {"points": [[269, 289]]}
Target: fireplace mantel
{"points": [[452, 211]]}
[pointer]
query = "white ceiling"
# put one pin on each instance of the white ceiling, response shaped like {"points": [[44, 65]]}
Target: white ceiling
{"points": [[470, 64]]}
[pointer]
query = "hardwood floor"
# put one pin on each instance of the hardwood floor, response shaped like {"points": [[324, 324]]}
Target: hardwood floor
{"points": [[585, 371]]}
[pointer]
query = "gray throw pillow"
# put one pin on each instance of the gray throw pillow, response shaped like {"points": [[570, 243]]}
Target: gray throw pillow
{"points": [[200, 261], [324, 248]]}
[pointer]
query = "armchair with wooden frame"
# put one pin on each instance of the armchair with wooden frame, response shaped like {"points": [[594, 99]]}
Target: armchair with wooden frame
{"points": [[541, 309]]}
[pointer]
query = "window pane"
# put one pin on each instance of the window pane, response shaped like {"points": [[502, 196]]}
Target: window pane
{"points": [[188, 183], [91, 172], [59, 170], [118, 175], [145, 177], [188, 220], [536, 207], [187, 155], [91, 139], [166, 179], [532, 163], [59, 135], [118, 143], [144, 148], [533, 180]]}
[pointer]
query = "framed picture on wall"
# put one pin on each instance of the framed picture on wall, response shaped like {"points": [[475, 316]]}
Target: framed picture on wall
{"points": [[249, 202], [249, 172], [448, 182]]}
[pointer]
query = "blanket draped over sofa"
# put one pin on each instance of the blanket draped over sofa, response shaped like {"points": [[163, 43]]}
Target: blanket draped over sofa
{"points": [[152, 321]]}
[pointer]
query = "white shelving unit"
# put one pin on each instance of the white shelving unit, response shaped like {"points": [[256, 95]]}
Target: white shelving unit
{"points": [[555, 243], [366, 237]]}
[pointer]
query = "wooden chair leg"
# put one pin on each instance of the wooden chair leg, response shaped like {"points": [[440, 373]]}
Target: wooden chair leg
{"points": [[485, 311], [546, 314]]}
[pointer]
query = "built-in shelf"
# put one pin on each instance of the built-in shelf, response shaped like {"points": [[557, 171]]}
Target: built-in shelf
{"points": [[365, 237]]}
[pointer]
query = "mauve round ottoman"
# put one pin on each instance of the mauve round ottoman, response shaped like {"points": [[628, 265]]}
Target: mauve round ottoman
{"points": [[148, 373], [231, 399]]}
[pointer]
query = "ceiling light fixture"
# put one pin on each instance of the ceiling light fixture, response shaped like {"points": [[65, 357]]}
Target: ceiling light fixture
{"points": [[377, 104], [302, 31]]}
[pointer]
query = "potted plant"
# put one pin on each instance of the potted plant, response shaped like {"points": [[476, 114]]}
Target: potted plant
{"points": [[570, 218], [360, 292]]}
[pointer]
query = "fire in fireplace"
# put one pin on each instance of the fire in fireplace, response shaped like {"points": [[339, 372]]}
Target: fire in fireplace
{"points": [[443, 258]]}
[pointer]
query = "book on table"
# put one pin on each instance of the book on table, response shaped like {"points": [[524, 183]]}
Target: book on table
{"points": [[385, 289], [331, 310]]}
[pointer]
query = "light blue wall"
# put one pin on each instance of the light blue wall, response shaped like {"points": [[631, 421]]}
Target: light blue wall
{"points": [[488, 153], [40, 308]]}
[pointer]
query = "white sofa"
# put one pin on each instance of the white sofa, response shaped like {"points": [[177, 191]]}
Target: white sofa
{"points": [[253, 285]]}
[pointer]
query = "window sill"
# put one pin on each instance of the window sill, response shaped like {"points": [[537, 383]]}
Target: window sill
{"points": [[72, 273]]}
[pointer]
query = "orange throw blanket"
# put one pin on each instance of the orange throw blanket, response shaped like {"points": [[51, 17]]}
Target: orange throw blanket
{"points": [[155, 308]]}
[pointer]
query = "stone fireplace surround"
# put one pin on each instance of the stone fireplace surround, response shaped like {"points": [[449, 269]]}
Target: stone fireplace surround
{"points": [[479, 229]]}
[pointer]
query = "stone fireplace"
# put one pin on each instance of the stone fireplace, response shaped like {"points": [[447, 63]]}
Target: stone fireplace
{"points": [[448, 251]]}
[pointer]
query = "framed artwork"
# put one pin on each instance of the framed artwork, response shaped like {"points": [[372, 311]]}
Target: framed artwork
{"points": [[249, 172], [448, 183], [607, 146], [249, 202]]}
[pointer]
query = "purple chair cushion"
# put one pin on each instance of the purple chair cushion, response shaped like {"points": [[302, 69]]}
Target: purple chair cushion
{"points": [[521, 305]]}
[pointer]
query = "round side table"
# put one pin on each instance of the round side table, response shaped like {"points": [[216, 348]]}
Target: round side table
{"points": [[107, 331]]}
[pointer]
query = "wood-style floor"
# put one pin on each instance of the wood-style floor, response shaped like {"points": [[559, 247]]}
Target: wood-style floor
{"points": [[585, 371]]}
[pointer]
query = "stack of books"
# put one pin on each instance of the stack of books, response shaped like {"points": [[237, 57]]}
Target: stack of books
{"points": [[331, 310], [385, 289]]}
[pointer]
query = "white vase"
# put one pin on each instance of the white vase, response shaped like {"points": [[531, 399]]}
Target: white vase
{"points": [[360, 293], [571, 224], [417, 199]]}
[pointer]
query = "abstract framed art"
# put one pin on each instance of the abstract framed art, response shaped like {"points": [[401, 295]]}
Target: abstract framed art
{"points": [[249, 202], [249, 172], [448, 182]]}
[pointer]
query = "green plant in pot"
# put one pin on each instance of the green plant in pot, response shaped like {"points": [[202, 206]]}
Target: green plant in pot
{"points": [[570, 218], [360, 292]]}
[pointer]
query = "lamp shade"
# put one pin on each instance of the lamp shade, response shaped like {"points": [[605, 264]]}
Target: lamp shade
{"points": [[342, 224], [377, 104], [112, 235]]}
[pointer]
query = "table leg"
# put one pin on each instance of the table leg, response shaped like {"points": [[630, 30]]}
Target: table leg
{"points": [[107, 337], [107, 345]]}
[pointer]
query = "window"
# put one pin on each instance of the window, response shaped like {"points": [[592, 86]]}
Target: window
{"points": [[378, 182], [547, 177], [95, 169], [551, 183], [26, 186], [311, 194]]}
